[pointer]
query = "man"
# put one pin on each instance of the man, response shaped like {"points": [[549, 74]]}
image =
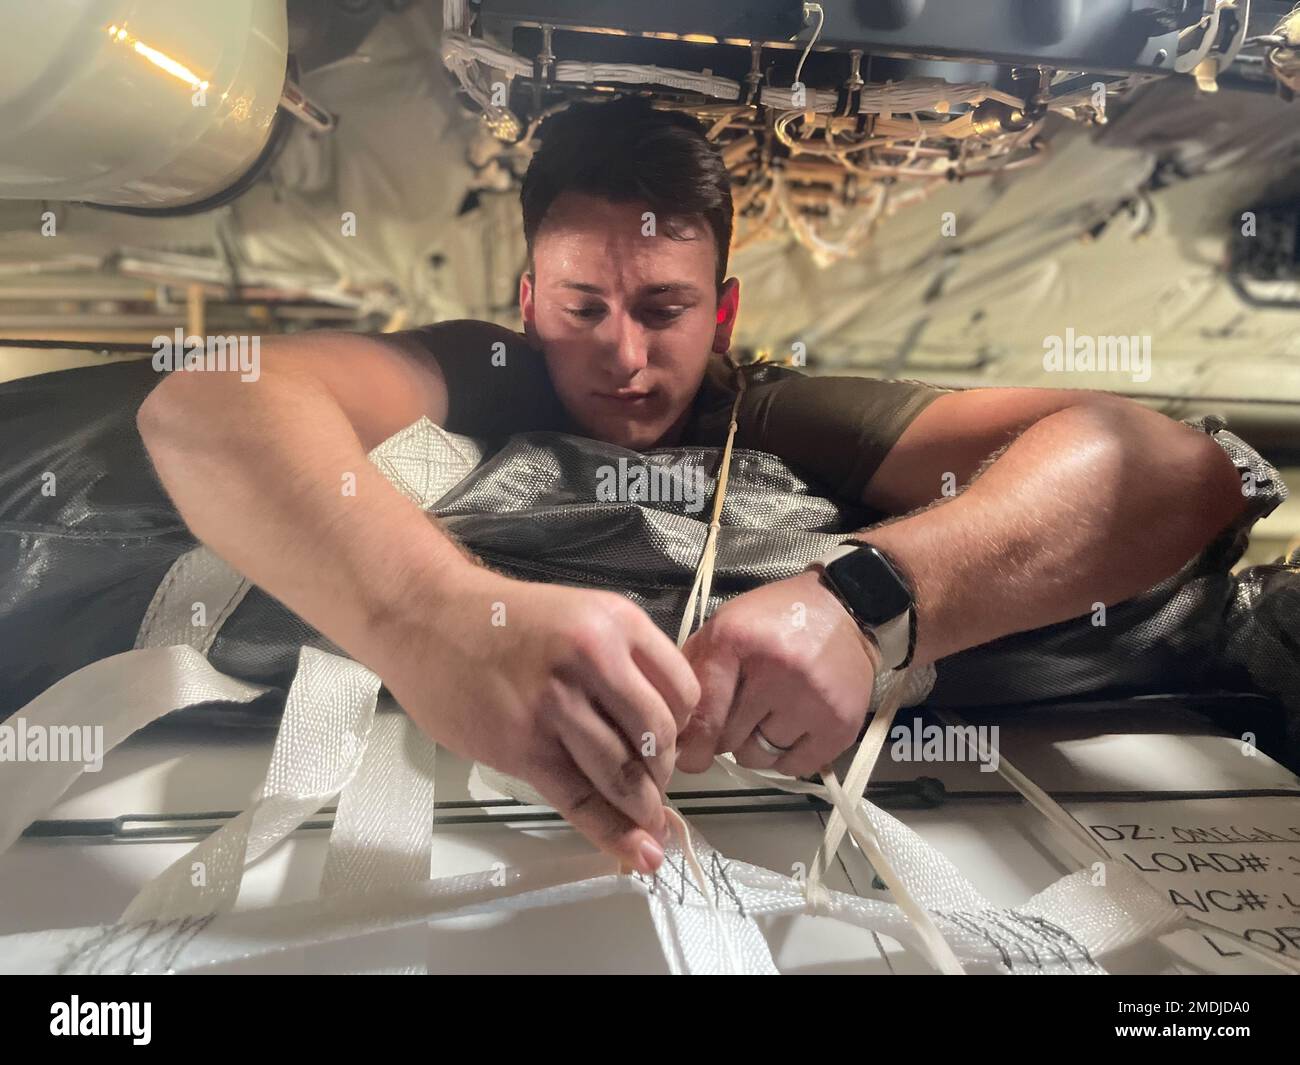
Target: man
{"points": [[627, 309]]}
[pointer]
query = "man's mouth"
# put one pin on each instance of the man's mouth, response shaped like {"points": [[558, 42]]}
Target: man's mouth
{"points": [[624, 397]]}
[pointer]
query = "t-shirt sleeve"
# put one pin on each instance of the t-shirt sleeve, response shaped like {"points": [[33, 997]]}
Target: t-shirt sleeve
{"points": [[497, 383], [838, 430]]}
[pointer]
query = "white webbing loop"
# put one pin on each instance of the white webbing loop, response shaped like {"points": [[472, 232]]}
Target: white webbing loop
{"points": [[327, 720], [120, 694], [383, 838], [383, 830]]}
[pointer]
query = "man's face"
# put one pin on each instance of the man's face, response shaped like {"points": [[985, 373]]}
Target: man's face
{"points": [[626, 321]]}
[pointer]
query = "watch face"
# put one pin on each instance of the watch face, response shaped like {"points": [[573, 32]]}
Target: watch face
{"points": [[869, 585]]}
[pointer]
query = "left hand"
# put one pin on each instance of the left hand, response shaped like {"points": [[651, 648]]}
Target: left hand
{"points": [[789, 659]]}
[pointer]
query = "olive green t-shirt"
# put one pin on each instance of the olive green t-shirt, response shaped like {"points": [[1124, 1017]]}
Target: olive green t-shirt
{"points": [[834, 430]]}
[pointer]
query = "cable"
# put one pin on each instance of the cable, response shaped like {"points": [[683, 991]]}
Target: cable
{"points": [[809, 9], [893, 148]]}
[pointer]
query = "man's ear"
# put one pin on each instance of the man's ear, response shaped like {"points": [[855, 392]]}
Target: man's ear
{"points": [[728, 308], [527, 306]]}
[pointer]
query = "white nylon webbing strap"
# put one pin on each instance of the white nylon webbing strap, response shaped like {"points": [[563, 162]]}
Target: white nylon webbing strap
{"points": [[198, 579], [383, 831], [1126, 911], [717, 939], [713, 940], [383, 838], [864, 821], [322, 737], [1033, 938], [424, 462], [121, 694]]}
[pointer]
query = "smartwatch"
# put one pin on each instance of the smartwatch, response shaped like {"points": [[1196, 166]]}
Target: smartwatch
{"points": [[874, 592]]}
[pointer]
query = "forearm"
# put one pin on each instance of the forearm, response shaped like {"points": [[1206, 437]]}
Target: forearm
{"points": [[272, 477], [1093, 504]]}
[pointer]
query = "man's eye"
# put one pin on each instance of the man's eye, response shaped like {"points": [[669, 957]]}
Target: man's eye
{"points": [[666, 314], [585, 313]]}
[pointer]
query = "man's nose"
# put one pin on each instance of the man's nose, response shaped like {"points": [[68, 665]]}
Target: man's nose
{"points": [[631, 348]]}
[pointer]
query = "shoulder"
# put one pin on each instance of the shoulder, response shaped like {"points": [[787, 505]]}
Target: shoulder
{"points": [[722, 379], [465, 338], [766, 377], [496, 380], [851, 398], [836, 428]]}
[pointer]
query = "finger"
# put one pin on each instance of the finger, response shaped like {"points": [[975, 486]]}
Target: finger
{"points": [[664, 666], [750, 704], [639, 712], [618, 771], [719, 673], [767, 700], [780, 731], [562, 784], [829, 734], [814, 751]]}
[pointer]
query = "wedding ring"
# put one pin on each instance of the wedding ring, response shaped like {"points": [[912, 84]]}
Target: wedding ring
{"points": [[774, 749]]}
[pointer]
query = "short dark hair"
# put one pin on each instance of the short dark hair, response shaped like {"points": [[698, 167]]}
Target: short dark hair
{"points": [[627, 151]]}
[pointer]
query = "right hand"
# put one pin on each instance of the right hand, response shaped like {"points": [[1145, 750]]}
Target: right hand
{"points": [[564, 688]]}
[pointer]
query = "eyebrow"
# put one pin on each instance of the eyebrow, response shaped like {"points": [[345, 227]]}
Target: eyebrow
{"points": [[671, 288]]}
